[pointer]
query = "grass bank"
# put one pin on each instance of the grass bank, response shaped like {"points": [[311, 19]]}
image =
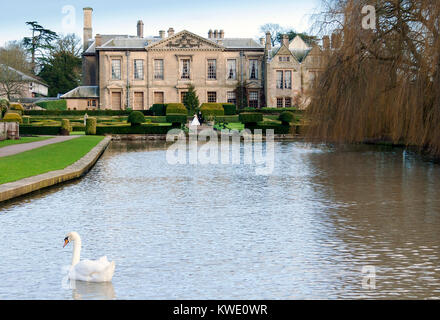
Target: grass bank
{"points": [[6, 143], [48, 158]]}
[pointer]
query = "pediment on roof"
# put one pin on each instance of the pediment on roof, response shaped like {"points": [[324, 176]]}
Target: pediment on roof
{"points": [[185, 40]]}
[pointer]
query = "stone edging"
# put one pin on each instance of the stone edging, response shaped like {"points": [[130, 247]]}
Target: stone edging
{"points": [[76, 170]]}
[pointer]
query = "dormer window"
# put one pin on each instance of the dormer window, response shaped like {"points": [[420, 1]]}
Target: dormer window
{"points": [[284, 58]]}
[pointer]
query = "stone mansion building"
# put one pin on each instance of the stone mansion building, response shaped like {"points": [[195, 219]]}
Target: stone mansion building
{"points": [[124, 71]]}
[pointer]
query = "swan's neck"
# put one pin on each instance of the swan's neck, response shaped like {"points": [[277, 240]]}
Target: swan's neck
{"points": [[76, 251]]}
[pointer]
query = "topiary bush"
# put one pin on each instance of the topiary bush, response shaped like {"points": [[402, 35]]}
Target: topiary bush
{"points": [[210, 110], [16, 106], [250, 117], [173, 108], [4, 105], [230, 109], [287, 117], [136, 118], [12, 117], [66, 128], [159, 109], [176, 118], [91, 126]]}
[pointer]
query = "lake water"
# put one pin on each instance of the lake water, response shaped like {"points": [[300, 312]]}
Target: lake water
{"points": [[308, 230]]}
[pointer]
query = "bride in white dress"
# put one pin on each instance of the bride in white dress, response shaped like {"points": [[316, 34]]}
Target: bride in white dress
{"points": [[195, 121]]}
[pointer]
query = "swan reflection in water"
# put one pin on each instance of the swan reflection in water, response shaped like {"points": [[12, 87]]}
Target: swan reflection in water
{"points": [[82, 290]]}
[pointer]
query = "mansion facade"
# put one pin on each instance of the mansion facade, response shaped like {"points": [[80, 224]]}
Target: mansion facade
{"points": [[123, 71]]}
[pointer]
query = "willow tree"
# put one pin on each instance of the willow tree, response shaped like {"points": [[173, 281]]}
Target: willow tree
{"points": [[380, 82]]}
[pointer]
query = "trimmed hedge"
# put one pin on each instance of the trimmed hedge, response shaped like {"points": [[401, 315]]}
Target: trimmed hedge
{"points": [[174, 108], [46, 130], [91, 126], [159, 109], [278, 128], [230, 109], [142, 129], [12, 117], [250, 117], [66, 128], [83, 112], [176, 118], [53, 104], [212, 109], [287, 117], [136, 118], [268, 110], [16, 106]]}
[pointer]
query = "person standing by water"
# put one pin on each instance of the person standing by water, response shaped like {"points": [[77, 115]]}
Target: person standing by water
{"points": [[195, 121], [199, 115]]}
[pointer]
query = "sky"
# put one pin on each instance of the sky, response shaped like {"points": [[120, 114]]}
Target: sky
{"points": [[238, 18]]}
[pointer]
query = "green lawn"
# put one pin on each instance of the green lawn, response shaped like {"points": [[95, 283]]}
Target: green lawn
{"points": [[22, 140], [48, 158]]}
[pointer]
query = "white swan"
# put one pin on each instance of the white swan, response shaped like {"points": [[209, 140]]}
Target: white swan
{"points": [[88, 270]]}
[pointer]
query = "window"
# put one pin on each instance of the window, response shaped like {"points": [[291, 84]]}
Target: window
{"points": [[91, 103], [288, 82], [185, 68], [253, 99], [158, 98], [287, 102], [158, 69], [279, 102], [285, 59], [212, 69], [253, 69], [183, 96], [139, 69], [232, 69], [116, 69], [280, 76], [232, 98], [212, 97]]}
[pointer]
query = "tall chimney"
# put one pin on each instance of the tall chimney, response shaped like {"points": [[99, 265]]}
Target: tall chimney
{"points": [[162, 34], [170, 32], [140, 29], [88, 31], [286, 40], [210, 34], [215, 34], [268, 41], [221, 34], [98, 40]]}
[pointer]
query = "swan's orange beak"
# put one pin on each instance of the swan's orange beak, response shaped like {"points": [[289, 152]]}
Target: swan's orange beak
{"points": [[66, 242]]}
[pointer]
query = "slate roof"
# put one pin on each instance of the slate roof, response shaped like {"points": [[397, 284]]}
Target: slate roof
{"points": [[24, 76], [82, 92]]}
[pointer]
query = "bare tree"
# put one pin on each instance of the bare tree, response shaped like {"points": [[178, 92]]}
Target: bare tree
{"points": [[69, 43], [274, 29]]}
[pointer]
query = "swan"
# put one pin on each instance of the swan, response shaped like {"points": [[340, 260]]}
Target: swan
{"points": [[88, 270]]}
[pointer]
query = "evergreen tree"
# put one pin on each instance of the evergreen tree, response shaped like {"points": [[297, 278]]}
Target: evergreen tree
{"points": [[191, 101]]}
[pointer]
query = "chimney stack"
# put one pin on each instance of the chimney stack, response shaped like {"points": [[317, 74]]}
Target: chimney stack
{"points": [[221, 34], [170, 32], [88, 31], [98, 40], [210, 34], [326, 42], [268, 41], [140, 29], [286, 40], [215, 34], [162, 34], [262, 42], [336, 40]]}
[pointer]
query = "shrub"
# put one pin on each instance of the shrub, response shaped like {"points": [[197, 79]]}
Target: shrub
{"points": [[82, 112], [211, 110], [159, 109], [136, 118], [4, 105], [287, 117], [191, 101], [278, 128], [66, 128], [230, 109], [53, 105], [16, 106], [142, 129], [173, 108], [43, 130], [250, 117], [176, 118], [12, 117], [26, 119], [91, 126]]}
